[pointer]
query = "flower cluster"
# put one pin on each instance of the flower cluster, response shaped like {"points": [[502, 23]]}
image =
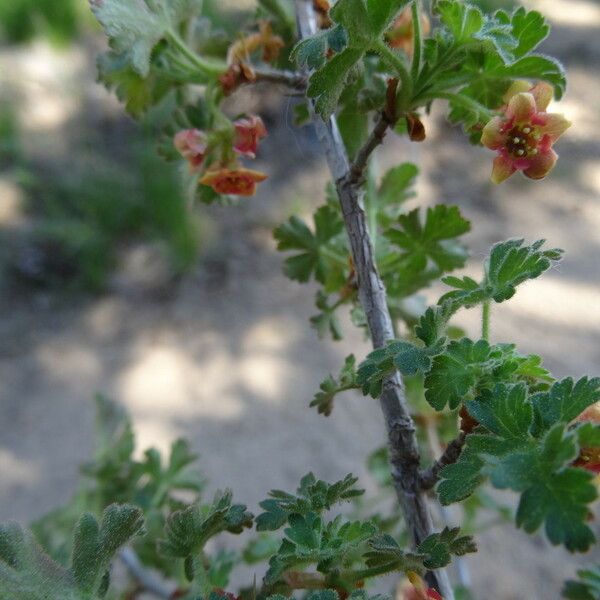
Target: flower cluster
{"points": [[225, 175], [524, 134]]}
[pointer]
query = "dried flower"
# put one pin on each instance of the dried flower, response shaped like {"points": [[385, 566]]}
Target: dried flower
{"points": [[240, 51], [236, 75], [525, 134], [191, 144], [237, 181], [248, 133], [401, 35]]}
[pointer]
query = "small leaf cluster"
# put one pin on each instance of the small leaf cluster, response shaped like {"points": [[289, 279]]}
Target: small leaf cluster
{"points": [[454, 370], [188, 530], [470, 59], [28, 573], [345, 552], [413, 249], [330, 387], [525, 442]]}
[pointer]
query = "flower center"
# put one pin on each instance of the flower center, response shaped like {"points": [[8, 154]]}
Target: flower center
{"points": [[522, 141]]}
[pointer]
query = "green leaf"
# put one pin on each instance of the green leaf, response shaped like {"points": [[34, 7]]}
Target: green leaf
{"points": [[432, 240], [134, 29], [438, 548], [138, 93], [311, 53], [530, 29], [564, 402], [510, 263], [327, 84], [552, 493], [313, 495], [403, 356], [27, 573], [587, 587], [384, 550], [188, 530], [383, 12], [326, 321], [397, 186], [317, 248], [331, 386], [505, 411], [455, 372]]}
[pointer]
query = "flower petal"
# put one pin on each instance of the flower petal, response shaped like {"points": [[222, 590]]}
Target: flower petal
{"points": [[492, 136], [503, 169], [541, 164], [517, 86], [555, 125], [521, 107], [543, 94]]}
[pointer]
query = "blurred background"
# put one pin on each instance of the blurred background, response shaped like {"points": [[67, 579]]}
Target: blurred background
{"points": [[110, 282]]}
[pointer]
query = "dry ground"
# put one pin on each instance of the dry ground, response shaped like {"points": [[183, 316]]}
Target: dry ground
{"points": [[226, 358]]}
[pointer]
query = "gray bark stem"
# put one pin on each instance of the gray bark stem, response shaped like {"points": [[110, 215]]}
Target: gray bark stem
{"points": [[403, 447]]}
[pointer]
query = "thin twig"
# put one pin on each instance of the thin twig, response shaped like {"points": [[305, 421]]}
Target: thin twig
{"points": [[450, 455], [375, 139], [404, 450], [148, 581], [292, 79]]}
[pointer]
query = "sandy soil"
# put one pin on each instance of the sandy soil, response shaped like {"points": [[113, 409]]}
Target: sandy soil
{"points": [[226, 358]]}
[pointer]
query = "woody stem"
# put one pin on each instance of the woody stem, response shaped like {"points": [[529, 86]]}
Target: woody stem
{"points": [[403, 447]]}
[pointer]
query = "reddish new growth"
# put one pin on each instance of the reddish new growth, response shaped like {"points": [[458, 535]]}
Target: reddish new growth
{"points": [[525, 134], [589, 458]]}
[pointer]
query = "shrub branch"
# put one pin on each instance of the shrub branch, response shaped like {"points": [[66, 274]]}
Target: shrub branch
{"points": [[404, 451]]}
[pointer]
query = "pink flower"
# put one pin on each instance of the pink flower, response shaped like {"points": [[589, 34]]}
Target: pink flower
{"points": [[237, 181], [191, 144], [248, 132], [525, 134]]}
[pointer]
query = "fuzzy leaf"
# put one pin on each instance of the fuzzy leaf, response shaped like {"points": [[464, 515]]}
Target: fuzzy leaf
{"points": [[330, 387], [188, 530], [438, 548], [564, 402], [455, 372], [313, 495], [510, 263], [311, 53]]}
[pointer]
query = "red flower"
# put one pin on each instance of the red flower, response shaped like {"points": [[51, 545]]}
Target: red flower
{"points": [[248, 132], [191, 144], [237, 181], [524, 135]]}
